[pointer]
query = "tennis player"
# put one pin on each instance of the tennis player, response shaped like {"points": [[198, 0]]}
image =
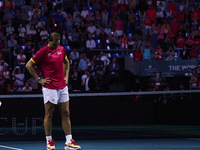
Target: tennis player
{"points": [[55, 65]]}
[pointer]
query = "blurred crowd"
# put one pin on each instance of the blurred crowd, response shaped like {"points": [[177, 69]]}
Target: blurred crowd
{"points": [[90, 31]]}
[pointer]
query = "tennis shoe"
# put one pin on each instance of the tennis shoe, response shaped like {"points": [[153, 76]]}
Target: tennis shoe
{"points": [[72, 145], [50, 145]]}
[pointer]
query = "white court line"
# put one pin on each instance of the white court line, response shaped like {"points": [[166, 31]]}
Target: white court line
{"points": [[10, 147]]}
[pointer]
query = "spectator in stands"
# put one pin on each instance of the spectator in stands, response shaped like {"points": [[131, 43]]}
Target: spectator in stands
{"points": [[151, 12], [6, 76], [90, 83], [34, 17], [196, 41], [195, 16], [113, 19], [99, 66], [105, 59], [69, 23], [115, 8], [182, 6], [98, 30], [23, 16], [90, 43], [30, 14], [104, 15], [146, 51], [160, 15], [59, 17], [179, 17], [161, 37], [137, 56], [4, 24], [9, 30], [193, 53], [123, 16], [119, 27], [167, 44], [154, 30], [91, 68], [64, 38], [77, 20], [84, 13], [75, 54], [83, 31], [5, 48], [75, 81], [195, 31], [187, 18], [8, 16], [96, 6], [19, 77], [107, 29], [147, 23], [130, 42], [27, 51], [16, 88], [165, 26], [124, 42], [2, 33], [21, 59], [32, 32], [131, 18], [171, 5], [75, 38], [11, 45], [193, 79], [171, 35], [175, 26], [89, 17], [22, 31], [44, 34], [137, 41], [83, 63], [185, 53], [75, 13], [27, 87], [91, 30], [137, 31], [182, 30], [159, 53], [104, 6], [180, 40], [103, 37], [170, 54], [189, 41], [114, 72], [40, 24], [82, 44], [113, 39]]}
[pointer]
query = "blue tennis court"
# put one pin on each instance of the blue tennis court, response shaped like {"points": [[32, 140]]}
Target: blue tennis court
{"points": [[125, 144]]}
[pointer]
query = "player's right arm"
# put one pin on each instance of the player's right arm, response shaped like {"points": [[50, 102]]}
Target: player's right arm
{"points": [[30, 67]]}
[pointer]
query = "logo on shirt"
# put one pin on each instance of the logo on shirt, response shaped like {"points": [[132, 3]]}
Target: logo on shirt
{"points": [[49, 55], [59, 53]]}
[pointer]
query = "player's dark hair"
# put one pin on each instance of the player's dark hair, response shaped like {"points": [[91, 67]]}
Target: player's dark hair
{"points": [[54, 36]]}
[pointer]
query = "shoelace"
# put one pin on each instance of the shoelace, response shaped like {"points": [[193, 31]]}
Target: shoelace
{"points": [[73, 142]]}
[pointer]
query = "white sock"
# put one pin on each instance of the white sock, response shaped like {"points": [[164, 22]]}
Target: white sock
{"points": [[48, 138], [68, 138]]}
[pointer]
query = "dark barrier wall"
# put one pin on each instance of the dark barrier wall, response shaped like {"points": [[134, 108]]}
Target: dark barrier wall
{"points": [[22, 117]]}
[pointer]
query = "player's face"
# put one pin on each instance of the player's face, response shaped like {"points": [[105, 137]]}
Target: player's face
{"points": [[54, 44]]}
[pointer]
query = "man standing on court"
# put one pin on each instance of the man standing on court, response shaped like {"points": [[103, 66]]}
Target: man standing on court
{"points": [[53, 59]]}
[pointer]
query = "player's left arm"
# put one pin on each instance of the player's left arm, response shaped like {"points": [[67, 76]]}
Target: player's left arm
{"points": [[66, 67]]}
